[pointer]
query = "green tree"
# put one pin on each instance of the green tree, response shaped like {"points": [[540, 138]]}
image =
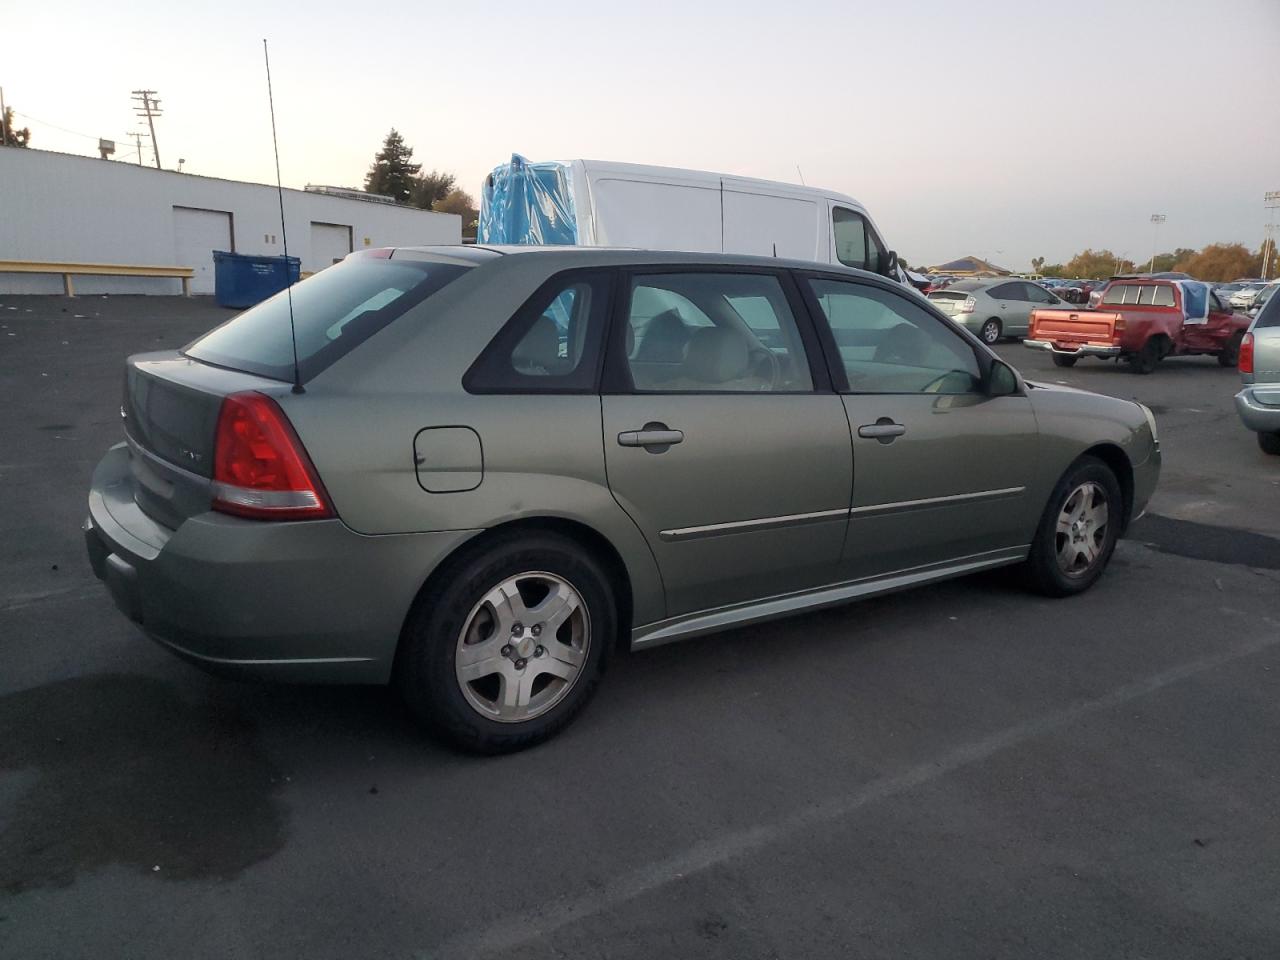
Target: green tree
{"points": [[1165, 262], [14, 137], [1220, 262], [1052, 270], [460, 202], [392, 173], [1093, 264], [431, 188]]}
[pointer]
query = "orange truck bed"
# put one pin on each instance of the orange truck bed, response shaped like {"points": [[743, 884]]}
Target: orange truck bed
{"points": [[1092, 332]]}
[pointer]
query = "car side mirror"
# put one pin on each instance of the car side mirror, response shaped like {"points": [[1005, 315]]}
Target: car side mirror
{"points": [[1001, 380], [887, 264]]}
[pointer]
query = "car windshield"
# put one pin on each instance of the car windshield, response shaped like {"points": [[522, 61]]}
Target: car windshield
{"points": [[333, 312]]}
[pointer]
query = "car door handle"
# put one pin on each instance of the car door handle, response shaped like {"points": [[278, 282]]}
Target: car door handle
{"points": [[650, 437], [883, 430]]}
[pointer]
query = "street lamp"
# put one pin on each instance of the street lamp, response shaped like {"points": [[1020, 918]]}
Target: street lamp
{"points": [[1272, 200], [1156, 220]]}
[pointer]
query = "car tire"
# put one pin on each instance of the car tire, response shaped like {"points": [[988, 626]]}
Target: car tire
{"points": [[991, 331], [1054, 566], [1145, 360], [1061, 360], [1269, 443], [1230, 355], [461, 626]]}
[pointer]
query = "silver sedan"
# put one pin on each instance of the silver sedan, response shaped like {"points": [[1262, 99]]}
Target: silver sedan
{"points": [[994, 309]]}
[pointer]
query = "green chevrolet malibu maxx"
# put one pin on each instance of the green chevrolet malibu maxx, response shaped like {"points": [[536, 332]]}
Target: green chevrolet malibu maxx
{"points": [[474, 472]]}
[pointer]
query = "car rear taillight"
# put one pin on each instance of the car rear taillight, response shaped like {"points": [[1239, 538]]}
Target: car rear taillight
{"points": [[260, 468], [968, 305], [1246, 354], [1119, 324]]}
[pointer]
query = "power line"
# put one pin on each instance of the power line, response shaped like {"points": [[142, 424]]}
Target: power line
{"points": [[46, 123]]}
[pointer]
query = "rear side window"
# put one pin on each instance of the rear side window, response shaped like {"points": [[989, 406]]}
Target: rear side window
{"points": [[333, 312], [552, 344], [1270, 314]]}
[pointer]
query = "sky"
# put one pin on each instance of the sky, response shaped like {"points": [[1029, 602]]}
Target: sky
{"points": [[1006, 129]]}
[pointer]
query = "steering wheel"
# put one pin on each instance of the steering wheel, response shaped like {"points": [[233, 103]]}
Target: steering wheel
{"points": [[766, 366]]}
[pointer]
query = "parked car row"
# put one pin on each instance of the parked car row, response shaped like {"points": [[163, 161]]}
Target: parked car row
{"points": [[591, 447]]}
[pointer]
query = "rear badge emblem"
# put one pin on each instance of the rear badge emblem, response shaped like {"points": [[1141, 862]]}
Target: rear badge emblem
{"points": [[191, 454]]}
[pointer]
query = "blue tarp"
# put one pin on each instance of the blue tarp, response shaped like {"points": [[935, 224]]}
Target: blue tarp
{"points": [[1195, 301], [528, 203]]}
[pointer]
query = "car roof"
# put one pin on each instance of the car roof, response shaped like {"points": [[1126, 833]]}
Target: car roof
{"points": [[571, 256]]}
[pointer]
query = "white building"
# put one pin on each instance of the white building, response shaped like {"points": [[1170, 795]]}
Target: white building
{"points": [[70, 209]]}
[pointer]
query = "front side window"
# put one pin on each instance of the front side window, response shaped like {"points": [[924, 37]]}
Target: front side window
{"points": [[1037, 294], [887, 344], [856, 243], [552, 343], [708, 332]]}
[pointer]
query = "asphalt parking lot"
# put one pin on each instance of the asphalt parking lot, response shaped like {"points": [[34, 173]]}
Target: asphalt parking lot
{"points": [[962, 771]]}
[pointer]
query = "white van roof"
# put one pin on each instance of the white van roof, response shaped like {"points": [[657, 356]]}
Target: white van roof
{"points": [[597, 168]]}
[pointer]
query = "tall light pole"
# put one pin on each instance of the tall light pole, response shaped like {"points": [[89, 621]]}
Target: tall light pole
{"points": [[1272, 200], [1156, 220]]}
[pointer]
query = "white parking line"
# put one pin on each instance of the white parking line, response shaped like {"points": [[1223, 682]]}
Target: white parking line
{"points": [[513, 931]]}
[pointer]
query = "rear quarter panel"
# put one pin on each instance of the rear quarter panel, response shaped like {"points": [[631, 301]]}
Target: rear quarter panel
{"points": [[543, 455]]}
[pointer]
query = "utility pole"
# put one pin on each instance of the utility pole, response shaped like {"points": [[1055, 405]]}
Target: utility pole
{"points": [[137, 140], [4, 121], [1156, 220], [1272, 200], [150, 109]]}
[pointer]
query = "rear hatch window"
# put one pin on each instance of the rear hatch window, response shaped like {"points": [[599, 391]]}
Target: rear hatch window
{"points": [[333, 312]]}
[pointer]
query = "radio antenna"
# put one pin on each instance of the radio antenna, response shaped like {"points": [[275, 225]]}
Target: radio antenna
{"points": [[284, 234]]}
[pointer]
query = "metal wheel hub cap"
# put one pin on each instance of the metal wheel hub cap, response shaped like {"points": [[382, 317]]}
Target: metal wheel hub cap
{"points": [[1082, 529], [522, 647]]}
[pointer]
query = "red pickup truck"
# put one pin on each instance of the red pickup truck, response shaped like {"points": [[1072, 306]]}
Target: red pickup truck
{"points": [[1142, 321]]}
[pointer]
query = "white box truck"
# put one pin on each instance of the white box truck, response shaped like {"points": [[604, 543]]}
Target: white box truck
{"points": [[598, 203]]}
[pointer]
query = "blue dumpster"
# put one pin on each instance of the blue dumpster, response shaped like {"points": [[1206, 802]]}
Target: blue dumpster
{"points": [[241, 280]]}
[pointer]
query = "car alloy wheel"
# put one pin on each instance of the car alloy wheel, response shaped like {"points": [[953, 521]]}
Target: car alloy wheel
{"points": [[1082, 529], [991, 331], [523, 646]]}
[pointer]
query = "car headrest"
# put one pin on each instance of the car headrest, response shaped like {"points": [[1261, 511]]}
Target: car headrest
{"points": [[665, 337], [717, 355]]}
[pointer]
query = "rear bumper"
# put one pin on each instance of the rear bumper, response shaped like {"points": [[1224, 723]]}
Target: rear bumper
{"points": [[1075, 350], [308, 601], [1256, 416]]}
